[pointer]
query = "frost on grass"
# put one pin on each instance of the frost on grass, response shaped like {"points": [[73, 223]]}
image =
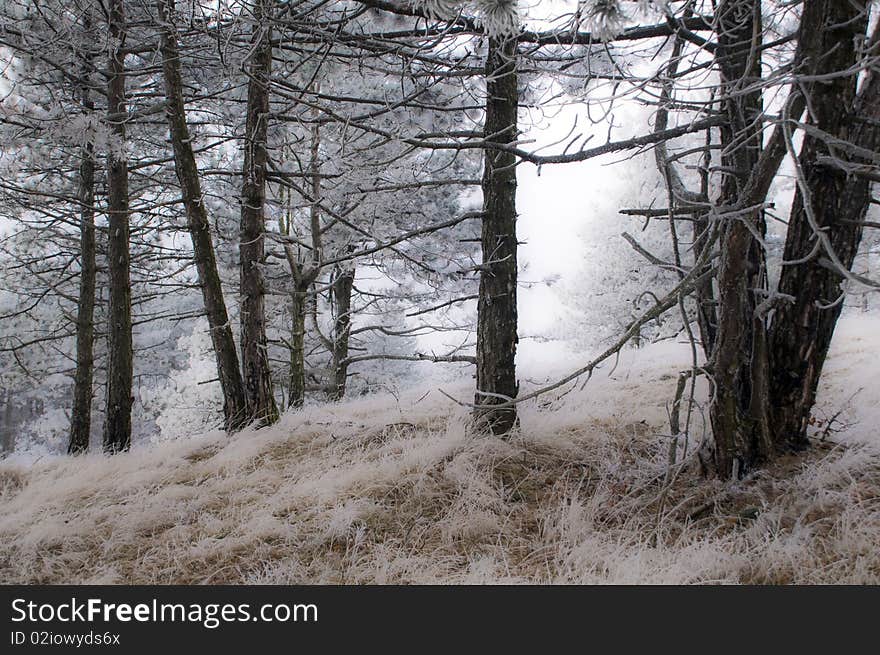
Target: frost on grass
{"points": [[379, 490]]}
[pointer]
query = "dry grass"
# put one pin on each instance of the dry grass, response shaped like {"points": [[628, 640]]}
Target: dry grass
{"points": [[380, 491], [363, 503]]}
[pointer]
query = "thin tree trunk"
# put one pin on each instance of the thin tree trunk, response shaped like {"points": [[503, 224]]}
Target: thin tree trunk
{"points": [[343, 285], [738, 408], [81, 412], [496, 310], [304, 274], [802, 329], [679, 194], [704, 293], [234, 407], [261, 407], [7, 428], [297, 381], [117, 425]]}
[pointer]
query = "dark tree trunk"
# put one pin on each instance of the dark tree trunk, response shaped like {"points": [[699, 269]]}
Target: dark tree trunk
{"points": [[343, 285], [496, 309], [81, 412], [738, 409], [260, 401], [7, 428], [234, 407], [117, 425], [297, 382], [679, 195], [304, 274], [802, 329], [704, 293]]}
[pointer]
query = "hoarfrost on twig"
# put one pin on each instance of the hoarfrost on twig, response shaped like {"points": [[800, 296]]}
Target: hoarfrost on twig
{"points": [[498, 17]]}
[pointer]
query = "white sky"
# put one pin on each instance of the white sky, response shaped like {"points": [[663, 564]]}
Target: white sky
{"points": [[567, 207]]}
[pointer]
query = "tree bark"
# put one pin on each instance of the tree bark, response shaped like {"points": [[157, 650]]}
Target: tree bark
{"points": [[738, 407], [343, 285], [304, 273], [704, 293], [7, 428], [297, 380], [261, 407], [234, 406], [496, 309], [802, 330], [117, 425], [81, 411]]}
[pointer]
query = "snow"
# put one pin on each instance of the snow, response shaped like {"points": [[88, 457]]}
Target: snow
{"points": [[396, 489]]}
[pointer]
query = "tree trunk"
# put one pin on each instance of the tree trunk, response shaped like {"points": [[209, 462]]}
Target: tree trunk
{"points": [[343, 285], [298, 306], [7, 428], [704, 293], [802, 329], [117, 425], [737, 412], [234, 407], [81, 412], [261, 406], [496, 308]]}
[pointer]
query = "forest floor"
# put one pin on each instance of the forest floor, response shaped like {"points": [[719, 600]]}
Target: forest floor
{"points": [[394, 490]]}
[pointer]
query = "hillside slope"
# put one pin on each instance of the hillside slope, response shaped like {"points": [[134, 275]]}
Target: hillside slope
{"points": [[385, 490]]}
